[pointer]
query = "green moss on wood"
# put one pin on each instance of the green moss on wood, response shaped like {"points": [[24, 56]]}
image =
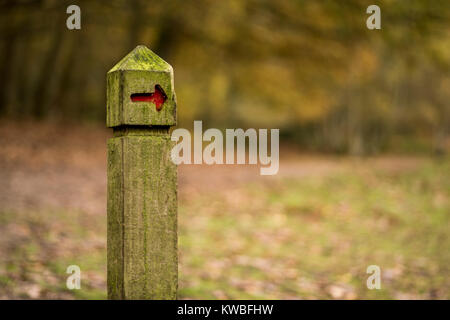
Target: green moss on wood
{"points": [[142, 216], [139, 72], [115, 223], [142, 58], [142, 181]]}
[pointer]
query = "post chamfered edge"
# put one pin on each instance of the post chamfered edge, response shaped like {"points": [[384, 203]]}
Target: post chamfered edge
{"points": [[138, 72]]}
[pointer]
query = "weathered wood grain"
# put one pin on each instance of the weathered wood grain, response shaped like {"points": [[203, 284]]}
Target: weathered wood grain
{"points": [[142, 186]]}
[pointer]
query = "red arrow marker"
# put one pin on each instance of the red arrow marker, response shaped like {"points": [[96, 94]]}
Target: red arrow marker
{"points": [[158, 97]]}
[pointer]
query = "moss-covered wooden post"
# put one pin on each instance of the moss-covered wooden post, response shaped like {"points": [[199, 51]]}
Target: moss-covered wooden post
{"points": [[142, 180]]}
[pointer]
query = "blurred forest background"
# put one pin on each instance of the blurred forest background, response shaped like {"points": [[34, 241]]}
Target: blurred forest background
{"points": [[310, 68]]}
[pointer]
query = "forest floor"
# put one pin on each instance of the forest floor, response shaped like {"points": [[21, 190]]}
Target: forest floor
{"points": [[309, 232]]}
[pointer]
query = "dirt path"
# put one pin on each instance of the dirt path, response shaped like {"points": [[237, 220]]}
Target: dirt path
{"points": [[43, 165]]}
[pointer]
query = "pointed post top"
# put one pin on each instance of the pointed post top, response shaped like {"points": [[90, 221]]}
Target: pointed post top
{"points": [[140, 91], [142, 58]]}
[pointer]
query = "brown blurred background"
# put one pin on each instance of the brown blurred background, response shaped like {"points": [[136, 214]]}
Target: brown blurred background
{"points": [[311, 68], [334, 88]]}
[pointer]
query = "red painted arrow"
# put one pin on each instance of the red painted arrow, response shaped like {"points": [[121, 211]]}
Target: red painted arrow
{"points": [[158, 97]]}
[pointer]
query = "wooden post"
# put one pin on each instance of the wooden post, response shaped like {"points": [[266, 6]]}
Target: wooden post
{"points": [[142, 179]]}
